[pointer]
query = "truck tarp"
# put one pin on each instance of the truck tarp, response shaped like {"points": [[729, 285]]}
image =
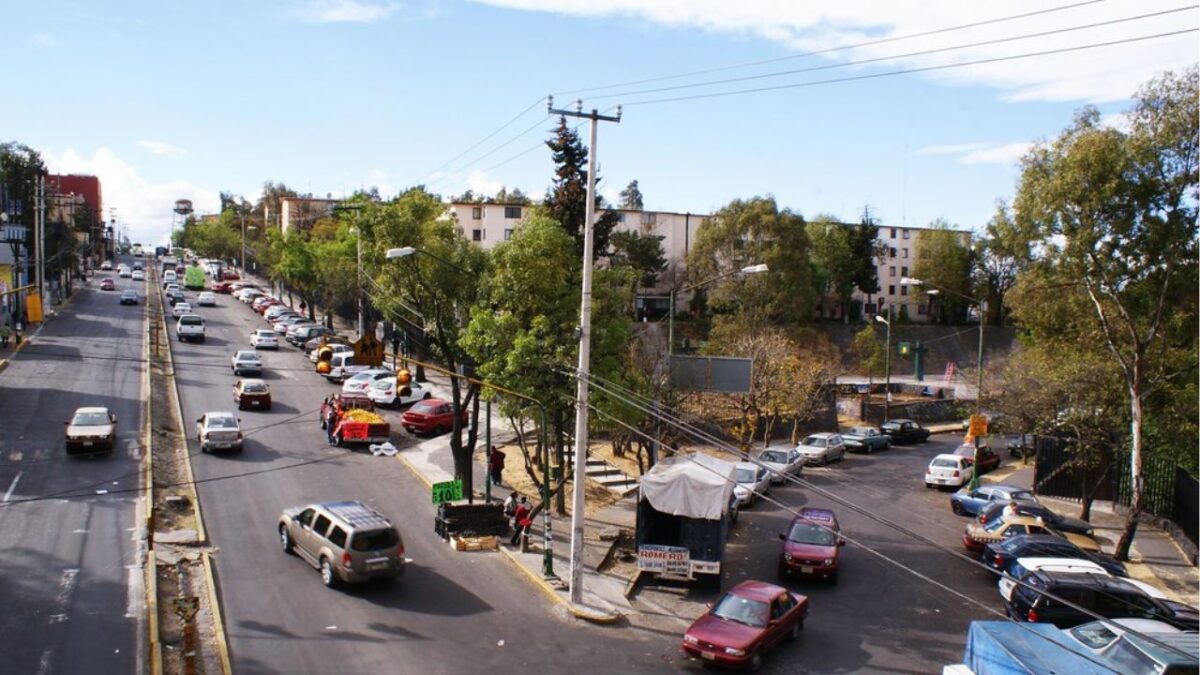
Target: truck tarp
{"points": [[693, 486], [1008, 648]]}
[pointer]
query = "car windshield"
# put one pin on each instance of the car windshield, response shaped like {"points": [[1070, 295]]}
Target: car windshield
{"points": [[362, 377], [746, 475], [815, 441], [255, 387], [374, 540], [774, 456], [1021, 494], [222, 422], [247, 356], [808, 533], [191, 320], [995, 525], [89, 419], [944, 463], [741, 610]]}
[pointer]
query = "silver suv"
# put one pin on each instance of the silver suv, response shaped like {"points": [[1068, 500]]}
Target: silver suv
{"points": [[347, 541]]}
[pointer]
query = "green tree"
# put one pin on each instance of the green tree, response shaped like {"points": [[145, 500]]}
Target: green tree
{"points": [[871, 352], [631, 197], [643, 253], [1114, 214], [833, 259], [944, 261], [566, 200], [867, 250], [1001, 254]]}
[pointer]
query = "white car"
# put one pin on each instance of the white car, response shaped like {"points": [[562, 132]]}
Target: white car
{"points": [[264, 339], [360, 383], [219, 431], [207, 299], [948, 470], [124, 273], [106, 266], [172, 287], [753, 482], [822, 448], [1006, 584], [277, 311], [137, 275], [190, 327], [336, 347], [782, 462], [246, 361], [384, 392], [1123, 642], [180, 309], [281, 325]]}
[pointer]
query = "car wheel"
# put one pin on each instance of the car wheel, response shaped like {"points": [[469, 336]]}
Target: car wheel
{"points": [[755, 662], [957, 509], [929, 485], [794, 634], [426, 397], [285, 539], [327, 575]]}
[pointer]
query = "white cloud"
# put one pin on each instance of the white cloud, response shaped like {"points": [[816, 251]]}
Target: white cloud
{"points": [[346, 11], [481, 183], [1100, 74], [1117, 120], [950, 149], [1000, 154], [161, 148], [143, 209], [45, 40]]}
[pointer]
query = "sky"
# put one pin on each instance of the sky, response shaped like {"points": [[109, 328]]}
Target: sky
{"points": [[917, 110]]}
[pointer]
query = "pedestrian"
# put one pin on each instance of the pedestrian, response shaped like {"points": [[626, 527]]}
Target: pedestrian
{"points": [[510, 507], [1010, 512], [302, 307], [496, 465], [521, 516], [331, 418]]}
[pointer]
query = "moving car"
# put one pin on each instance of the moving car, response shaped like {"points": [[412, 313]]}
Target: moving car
{"points": [[207, 299], [822, 448], [264, 339], [968, 502], [246, 361], [108, 285], [174, 296], [106, 265], [781, 463], [904, 431], [387, 392], [219, 431], [180, 309], [124, 272], [169, 277], [1110, 597], [984, 459], [220, 287], [190, 327], [866, 439], [1032, 508], [431, 416], [977, 536], [948, 470], [1002, 554], [129, 297], [1123, 642], [137, 275], [753, 481], [745, 623], [347, 541], [252, 393], [811, 546], [91, 429]]}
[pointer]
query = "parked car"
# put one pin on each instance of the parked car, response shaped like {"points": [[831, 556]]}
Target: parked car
{"points": [[1124, 642], [811, 546], [343, 366], [753, 482], [822, 448], [180, 309], [968, 502], [91, 429], [1022, 567], [334, 347], [1023, 446], [1032, 508], [282, 324], [252, 393], [431, 416], [277, 310], [190, 327], [301, 336], [246, 361], [948, 470], [221, 287], [983, 459], [108, 284], [866, 439], [219, 431], [745, 623], [129, 297], [207, 299], [230, 275], [264, 339], [781, 463], [904, 431], [977, 536], [1110, 597], [1002, 554], [387, 392], [347, 541], [360, 383]]}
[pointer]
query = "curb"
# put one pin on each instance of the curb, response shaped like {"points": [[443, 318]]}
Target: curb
{"points": [[591, 614], [218, 624], [151, 572]]}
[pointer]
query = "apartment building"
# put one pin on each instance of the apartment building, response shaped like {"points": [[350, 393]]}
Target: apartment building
{"points": [[898, 262], [302, 212]]}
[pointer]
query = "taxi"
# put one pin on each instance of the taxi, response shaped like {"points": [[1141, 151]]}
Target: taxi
{"points": [[978, 536]]}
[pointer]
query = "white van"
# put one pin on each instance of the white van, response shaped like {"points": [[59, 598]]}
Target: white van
{"points": [[342, 366], [169, 277]]}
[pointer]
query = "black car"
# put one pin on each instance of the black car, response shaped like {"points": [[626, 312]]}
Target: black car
{"points": [[1110, 597], [1036, 510], [1024, 445], [1003, 555], [904, 431], [174, 297]]}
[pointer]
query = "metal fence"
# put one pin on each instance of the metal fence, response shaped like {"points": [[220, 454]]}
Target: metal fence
{"points": [[1059, 472], [1187, 496]]}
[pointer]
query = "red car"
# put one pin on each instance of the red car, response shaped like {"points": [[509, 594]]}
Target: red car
{"points": [[750, 619], [229, 275], [988, 459], [222, 287], [811, 546], [431, 416], [107, 285]]}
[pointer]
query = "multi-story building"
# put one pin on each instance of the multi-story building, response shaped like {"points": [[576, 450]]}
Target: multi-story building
{"points": [[302, 212], [899, 261]]}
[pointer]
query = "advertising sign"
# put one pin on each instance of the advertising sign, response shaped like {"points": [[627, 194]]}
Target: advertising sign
{"points": [[664, 559], [449, 491]]}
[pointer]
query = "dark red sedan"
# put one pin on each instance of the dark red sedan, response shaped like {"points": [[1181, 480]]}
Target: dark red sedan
{"points": [[745, 623], [222, 287], [988, 459], [107, 285], [431, 416], [811, 548]]}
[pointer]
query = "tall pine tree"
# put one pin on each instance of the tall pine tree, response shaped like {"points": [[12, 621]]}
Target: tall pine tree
{"points": [[566, 200]]}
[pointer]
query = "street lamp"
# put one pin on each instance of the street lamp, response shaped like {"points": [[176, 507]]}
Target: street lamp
{"points": [[244, 228], [751, 269], [887, 368]]}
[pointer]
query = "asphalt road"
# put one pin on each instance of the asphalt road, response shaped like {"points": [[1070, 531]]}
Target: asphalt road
{"points": [[900, 605], [70, 543], [450, 613]]}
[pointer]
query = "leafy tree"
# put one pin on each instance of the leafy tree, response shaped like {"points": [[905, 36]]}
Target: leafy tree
{"points": [[944, 261], [1002, 252], [643, 253], [871, 352], [513, 196], [834, 262], [867, 251], [20, 167], [631, 197], [1114, 215], [566, 200]]}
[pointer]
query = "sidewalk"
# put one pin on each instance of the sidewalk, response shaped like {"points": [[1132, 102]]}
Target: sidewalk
{"points": [[31, 332]]}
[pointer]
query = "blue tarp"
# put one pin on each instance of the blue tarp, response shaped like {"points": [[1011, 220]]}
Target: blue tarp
{"points": [[1009, 648]]}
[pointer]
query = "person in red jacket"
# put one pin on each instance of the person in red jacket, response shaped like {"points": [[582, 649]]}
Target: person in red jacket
{"points": [[522, 519]]}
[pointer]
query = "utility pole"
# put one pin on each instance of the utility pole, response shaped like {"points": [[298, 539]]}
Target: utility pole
{"points": [[585, 344], [39, 234]]}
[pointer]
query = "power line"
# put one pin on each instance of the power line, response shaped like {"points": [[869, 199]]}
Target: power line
{"points": [[830, 50], [483, 140], [459, 170], [909, 71]]}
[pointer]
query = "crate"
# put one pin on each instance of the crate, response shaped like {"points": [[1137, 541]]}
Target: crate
{"points": [[488, 543]]}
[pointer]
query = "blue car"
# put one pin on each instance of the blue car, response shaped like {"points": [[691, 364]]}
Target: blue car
{"points": [[969, 502]]}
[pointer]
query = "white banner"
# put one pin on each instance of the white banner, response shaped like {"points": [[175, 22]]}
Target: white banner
{"points": [[664, 559]]}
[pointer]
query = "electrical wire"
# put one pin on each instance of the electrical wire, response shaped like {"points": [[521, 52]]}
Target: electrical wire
{"points": [[486, 138]]}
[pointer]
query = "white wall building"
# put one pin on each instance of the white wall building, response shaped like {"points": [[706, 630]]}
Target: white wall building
{"points": [[900, 262], [302, 212]]}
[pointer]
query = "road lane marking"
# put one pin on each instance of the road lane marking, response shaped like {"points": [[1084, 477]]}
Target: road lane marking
{"points": [[8, 494]]}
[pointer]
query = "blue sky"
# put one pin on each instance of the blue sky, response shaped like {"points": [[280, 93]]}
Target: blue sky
{"points": [[182, 100]]}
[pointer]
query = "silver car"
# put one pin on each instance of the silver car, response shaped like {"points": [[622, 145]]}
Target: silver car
{"points": [[822, 448], [782, 463], [347, 541], [219, 431], [753, 481], [246, 361]]}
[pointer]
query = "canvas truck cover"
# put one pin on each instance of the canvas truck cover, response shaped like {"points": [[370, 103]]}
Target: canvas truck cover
{"points": [[1008, 648], [693, 486]]}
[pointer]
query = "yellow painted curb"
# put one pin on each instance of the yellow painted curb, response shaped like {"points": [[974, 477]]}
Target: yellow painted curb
{"points": [[189, 477], [156, 666], [151, 571], [550, 592], [218, 622]]}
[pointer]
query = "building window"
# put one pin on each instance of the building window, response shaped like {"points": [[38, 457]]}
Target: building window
{"points": [[903, 272], [893, 233], [649, 218], [905, 234], [903, 252], [892, 271], [477, 213], [892, 252], [507, 234], [477, 235], [891, 290], [903, 289], [512, 212], [922, 310], [620, 217]]}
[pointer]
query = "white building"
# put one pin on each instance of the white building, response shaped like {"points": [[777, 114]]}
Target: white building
{"points": [[302, 212], [899, 262]]}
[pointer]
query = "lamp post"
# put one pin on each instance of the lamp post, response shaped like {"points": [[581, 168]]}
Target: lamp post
{"points": [[887, 367], [244, 228], [751, 269]]}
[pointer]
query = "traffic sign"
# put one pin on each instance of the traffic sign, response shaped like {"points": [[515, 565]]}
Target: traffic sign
{"points": [[978, 426]]}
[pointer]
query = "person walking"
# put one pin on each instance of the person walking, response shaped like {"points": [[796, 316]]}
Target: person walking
{"points": [[521, 516], [496, 465], [331, 418], [510, 508]]}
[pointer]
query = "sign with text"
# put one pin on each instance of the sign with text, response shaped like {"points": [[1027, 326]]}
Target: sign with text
{"points": [[978, 426], [449, 491], [664, 559]]}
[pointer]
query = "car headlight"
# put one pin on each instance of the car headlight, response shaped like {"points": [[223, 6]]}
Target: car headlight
{"points": [[691, 639], [828, 561], [787, 557], [735, 652]]}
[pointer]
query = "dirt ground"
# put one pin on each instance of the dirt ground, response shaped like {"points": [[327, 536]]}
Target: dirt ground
{"points": [[596, 496]]}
